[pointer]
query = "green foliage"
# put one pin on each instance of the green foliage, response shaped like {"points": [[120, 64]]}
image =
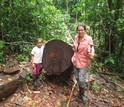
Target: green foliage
{"points": [[53, 19], [2, 45], [28, 76], [95, 87], [1, 56], [25, 48], [26, 21], [22, 57], [109, 60]]}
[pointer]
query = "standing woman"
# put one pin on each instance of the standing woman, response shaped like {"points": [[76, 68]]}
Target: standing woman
{"points": [[83, 52]]}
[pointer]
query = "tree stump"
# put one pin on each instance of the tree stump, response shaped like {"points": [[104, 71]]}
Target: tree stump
{"points": [[57, 57]]}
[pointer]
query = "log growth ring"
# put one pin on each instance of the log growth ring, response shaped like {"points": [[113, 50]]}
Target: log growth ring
{"points": [[57, 57]]}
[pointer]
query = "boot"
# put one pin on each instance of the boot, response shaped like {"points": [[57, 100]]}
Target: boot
{"points": [[79, 94], [35, 81], [82, 95]]}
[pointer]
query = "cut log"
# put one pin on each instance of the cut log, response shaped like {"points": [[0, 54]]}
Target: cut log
{"points": [[1, 68], [57, 57], [8, 85], [11, 66]]}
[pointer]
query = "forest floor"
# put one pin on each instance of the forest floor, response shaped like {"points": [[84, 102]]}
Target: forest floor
{"points": [[106, 91]]}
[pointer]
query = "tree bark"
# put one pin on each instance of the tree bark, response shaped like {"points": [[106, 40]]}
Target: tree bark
{"points": [[8, 85], [122, 46], [118, 6], [67, 6], [0, 21], [115, 31], [112, 45], [110, 4]]}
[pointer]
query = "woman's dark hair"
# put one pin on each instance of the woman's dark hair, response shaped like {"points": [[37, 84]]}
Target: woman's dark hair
{"points": [[81, 24]]}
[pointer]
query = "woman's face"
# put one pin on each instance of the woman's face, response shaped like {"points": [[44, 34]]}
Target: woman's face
{"points": [[81, 30]]}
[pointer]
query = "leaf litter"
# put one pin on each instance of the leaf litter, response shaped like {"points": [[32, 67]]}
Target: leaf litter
{"points": [[53, 93]]}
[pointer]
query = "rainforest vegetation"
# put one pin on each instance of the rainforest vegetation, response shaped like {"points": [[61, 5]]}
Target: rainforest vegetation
{"points": [[22, 21]]}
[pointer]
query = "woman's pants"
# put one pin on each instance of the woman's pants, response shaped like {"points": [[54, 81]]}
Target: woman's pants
{"points": [[80, 75]]}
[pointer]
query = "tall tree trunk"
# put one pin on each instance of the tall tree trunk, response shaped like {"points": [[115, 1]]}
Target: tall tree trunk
{"points": [[76, 17], [118, 7], [106, 42], [55, 2], [1, 36], [110, 4], [121, 50], [115, 31], [12, 12], [67, 6]]}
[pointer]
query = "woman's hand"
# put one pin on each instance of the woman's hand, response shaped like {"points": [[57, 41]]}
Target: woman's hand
{"points": [[33, 65], [70, 44], [91, 55]]}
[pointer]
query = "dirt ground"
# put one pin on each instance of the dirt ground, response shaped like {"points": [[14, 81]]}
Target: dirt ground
{"points": [[53, 93]]}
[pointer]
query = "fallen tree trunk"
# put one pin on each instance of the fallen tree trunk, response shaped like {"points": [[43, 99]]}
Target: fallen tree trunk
{"points": [[108, 80], [8, 85], [57, 57], [11, 66]]}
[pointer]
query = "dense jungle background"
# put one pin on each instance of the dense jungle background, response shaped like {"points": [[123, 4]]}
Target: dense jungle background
{"points": [[22, 21]]}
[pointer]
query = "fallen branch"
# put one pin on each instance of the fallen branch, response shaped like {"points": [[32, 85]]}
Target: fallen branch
{"points": [[112, 74], [107, 80], [27, 87], [71, 94], [119, 85], [18, 42]]}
